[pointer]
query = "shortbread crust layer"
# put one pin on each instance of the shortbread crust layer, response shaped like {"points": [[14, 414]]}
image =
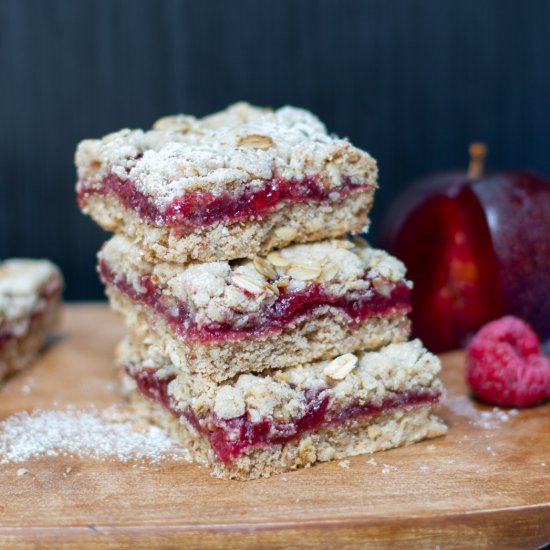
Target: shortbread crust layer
{"points": [[292, 223]]}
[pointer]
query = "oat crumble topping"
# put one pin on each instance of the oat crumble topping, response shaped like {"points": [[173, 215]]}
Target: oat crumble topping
{"points": [[282, 393], [21, 282], [214, 291], [239, 146]]}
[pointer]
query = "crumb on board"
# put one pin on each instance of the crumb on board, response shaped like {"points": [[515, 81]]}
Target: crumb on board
{"points": [[491, 451], [387, 468]]}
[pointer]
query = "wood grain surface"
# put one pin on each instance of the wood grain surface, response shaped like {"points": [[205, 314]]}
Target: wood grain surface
{"points": [[478, 487], [411, 81]]}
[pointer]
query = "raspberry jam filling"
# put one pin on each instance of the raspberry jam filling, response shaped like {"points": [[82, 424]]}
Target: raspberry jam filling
{"points": [[288, 307], [230, 438], [5, 337], [200, 209]]}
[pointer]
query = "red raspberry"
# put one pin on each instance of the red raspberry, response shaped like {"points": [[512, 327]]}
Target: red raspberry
{"points": [[505, 365]]}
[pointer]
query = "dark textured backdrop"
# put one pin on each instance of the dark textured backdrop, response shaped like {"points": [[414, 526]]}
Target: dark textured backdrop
{"points": [[412, 81]]}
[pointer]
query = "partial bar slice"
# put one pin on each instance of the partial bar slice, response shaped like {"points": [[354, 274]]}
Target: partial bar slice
{"points": [[259, 425], [30, 292], [232, 185], [300, 304]]}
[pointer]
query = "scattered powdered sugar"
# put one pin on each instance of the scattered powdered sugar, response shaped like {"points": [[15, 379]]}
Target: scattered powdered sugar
{"points": [[97, 434], [28, 387], [489, 420], [344, 464]]}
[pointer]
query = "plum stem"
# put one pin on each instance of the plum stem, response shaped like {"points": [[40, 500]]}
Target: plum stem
{"points": [[478, 152]]}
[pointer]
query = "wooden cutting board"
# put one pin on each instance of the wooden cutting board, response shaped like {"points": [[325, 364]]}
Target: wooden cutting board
{"points": [[485, 485]]}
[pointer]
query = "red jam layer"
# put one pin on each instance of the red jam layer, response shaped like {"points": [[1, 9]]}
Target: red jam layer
{"points": [[288, 307], [5, 337], [200, 209], [230, 438]]}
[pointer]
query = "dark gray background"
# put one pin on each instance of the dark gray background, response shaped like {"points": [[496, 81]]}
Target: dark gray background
{"points": [[411, 81]]}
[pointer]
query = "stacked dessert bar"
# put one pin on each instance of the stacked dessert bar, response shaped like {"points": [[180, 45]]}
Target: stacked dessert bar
{"points": [[259, 334], [30, 298]]}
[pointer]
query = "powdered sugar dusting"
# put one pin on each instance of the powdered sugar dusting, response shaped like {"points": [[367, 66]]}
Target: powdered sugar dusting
{"points": [[489, 420], [225, 151], [96, 434]]}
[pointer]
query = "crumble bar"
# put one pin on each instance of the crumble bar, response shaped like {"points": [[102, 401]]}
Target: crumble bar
{"points": [[300, 304], [259, 425], [234, 184], [30, 295]]}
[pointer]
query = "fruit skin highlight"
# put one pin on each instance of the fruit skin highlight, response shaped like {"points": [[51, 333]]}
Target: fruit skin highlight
{"points": [[505, 365], [476, 246]]}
